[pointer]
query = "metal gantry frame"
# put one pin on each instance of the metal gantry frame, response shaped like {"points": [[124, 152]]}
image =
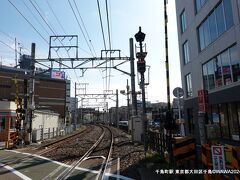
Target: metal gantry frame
{"points": [[83, 64]]}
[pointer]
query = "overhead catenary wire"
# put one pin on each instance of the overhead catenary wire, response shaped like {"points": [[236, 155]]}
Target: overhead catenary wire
{"points": [[90, 41], [101, 23], [79, 25], [60, 24], [35, 17], [38, 9], [52, 30], [110, 45], [28, 22], [48, 25], [58, 21]]}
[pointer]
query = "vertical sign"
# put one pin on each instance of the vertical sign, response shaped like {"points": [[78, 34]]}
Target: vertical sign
{"points": [[202, 100], [218, 157]]}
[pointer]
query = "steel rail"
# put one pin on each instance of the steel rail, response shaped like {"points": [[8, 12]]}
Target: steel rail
{"points": [[106, 161], [67, 172]]}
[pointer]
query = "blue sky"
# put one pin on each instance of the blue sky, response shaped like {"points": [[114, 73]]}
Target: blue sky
{"points": [[125, 18]]}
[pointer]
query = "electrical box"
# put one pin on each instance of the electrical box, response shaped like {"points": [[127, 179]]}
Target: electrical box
{"points": [[137, 128]]}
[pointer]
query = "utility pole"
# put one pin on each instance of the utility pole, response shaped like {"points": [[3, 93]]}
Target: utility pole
{"points": [[169, 119], [132, 71], [75, 108], [16, 52], [141, 66], [31, 90], [117, 115], [25, 107], [128, 108]]}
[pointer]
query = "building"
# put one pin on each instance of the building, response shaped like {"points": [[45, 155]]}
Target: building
{"points": [[209, 44], [50, 93], [7, 119]]}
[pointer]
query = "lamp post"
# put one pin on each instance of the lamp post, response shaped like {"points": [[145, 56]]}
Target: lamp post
{"points": [[141, 67]]}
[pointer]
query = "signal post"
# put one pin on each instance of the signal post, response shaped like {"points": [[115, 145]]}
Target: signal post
{"points": [[141, 67]]}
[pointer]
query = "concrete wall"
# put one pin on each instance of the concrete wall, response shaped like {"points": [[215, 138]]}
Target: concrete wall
{"points": [[45, 120]]}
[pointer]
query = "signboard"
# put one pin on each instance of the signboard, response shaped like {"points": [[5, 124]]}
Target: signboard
{"points": [[202, 100], [178, 92], [215, 117], [218, 157], [57, 74]]}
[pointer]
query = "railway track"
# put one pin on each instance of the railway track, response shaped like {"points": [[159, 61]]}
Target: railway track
{"points": [[46, 148], [95, 152], [99, 152]]}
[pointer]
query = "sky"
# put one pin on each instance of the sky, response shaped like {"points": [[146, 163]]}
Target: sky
{"points": [[125, 17]]}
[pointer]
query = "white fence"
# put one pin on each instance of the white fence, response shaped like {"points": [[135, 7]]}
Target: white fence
{"points": [[48, 133]]}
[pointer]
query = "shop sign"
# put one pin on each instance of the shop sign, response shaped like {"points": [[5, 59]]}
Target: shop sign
{"points": [[202, 100]]}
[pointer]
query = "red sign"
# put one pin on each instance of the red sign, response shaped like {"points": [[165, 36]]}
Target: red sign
{"points": [[202, 100], [217, 150]]}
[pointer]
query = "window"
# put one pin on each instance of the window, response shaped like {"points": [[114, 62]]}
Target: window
{"points": [[183, 21], [208, 75], [207, 39], [186, 53], [228, 13], [199, 4], [218, 70], [226, 68], [222, 69], [211, 77], [2, 123], [188, 80], [220, 20], [205, 76], [235, 63], [213, 27]]}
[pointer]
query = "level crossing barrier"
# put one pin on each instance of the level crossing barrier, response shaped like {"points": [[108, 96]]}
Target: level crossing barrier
{"points": [[184, 149], [232, 161]]}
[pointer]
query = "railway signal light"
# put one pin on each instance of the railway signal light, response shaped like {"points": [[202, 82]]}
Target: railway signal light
{"points": [[141, 65]]}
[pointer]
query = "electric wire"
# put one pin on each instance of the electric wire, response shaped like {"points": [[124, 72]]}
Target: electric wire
{"points": [[13, 39], [7, 45], [60, 24], [100, 17], [35, 17], [7, 35], [86, 31], [80, 26], [52, 30], [90, 41], [38, 9], [110, 46], [28, 22]]}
